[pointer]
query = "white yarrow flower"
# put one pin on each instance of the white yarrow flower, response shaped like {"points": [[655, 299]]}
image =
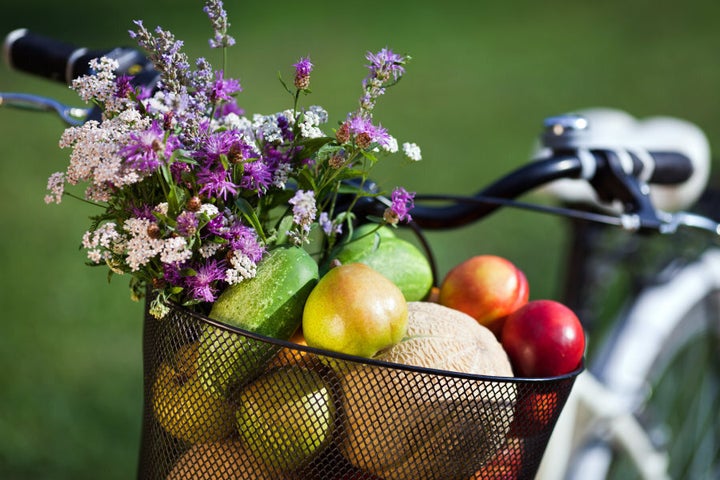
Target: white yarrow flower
{"points": [[412, 151]]}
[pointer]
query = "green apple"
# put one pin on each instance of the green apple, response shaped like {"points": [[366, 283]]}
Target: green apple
{"points": [[399, 260], [286, 417]]}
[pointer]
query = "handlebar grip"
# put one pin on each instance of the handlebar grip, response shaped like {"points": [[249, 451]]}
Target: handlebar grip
{"points": [[49, 58], [670, 168], [670, 154]]}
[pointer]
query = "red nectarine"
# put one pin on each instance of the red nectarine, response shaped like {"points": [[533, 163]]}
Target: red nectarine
{"points": [[486, 287], [544, 338]]}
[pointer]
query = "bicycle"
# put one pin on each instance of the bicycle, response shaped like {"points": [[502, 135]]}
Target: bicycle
{"points": [[615, 172]]}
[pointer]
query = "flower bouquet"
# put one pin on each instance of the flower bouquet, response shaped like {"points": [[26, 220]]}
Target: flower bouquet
{"points": [[228, 224], [193, 192]]}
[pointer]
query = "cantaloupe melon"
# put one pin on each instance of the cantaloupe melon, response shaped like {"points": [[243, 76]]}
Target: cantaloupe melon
{"points": [[407, 424]]}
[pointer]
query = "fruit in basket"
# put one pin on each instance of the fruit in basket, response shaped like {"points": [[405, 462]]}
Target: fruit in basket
{"points": [[459, 418], [486, 287], [269, 304], [287, 416], [506, 464], [185, 409], [534, 412], [227, 460], [544, 338], [398, 259], [354, 310]]}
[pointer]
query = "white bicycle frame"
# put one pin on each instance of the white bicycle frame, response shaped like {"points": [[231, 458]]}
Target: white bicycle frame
{"points": [[601, 404]]}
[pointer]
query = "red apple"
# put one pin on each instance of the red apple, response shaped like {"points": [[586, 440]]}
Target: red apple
{"points": [[486, 287], [533, 412], [505, 464], [543, 338]]}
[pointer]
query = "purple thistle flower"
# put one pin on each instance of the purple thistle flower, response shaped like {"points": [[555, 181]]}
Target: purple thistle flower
{"points": [[216, 183], [228, 143], [216, 225], [303, 68], [257, 176], [402, 203], [223, 88], [365, 132], [187, 224], [385, 65], [245, 239], [144, 149], [203, 285]]}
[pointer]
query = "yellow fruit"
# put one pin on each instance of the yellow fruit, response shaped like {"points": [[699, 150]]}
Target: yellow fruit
{"points": [[185, 409], [227, 460], [354, 310], [286, 417], [403, 424]]}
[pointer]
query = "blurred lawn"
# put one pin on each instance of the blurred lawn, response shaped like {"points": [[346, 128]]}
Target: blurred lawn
{"points": [[483, 77]]}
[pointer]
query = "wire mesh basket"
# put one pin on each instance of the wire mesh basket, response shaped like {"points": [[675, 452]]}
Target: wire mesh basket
{"points": [[221, 403]]}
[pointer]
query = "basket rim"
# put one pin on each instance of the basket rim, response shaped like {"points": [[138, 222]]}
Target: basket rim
{"points": [[373, 361]]}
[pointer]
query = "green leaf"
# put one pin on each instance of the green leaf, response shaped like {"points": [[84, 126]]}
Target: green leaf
{"points": [[283, 228], [249, 214]]}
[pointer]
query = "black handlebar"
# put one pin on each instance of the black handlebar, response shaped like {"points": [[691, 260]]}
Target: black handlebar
{"points": [[62, 62]]}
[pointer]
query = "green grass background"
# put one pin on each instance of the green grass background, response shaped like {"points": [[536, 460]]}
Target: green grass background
{"points": [[483, 76]]}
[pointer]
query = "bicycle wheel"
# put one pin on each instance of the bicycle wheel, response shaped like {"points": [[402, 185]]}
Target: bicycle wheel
{"points": [[665, 362]]}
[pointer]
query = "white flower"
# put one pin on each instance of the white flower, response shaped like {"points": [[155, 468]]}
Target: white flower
{"points": [[412, 151], [243, 268], [391, 145], [56, 187], [140, 247], [309, 125], [175, 250]]}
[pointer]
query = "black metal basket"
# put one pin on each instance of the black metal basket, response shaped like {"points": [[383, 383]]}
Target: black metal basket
{"points": [[222, 403]]}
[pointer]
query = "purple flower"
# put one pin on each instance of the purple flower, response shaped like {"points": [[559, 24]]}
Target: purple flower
{"points": [[365, 132], [216, 225], [178, 169], [187, 224], [303, 68], [143, 151], [228, 143], [402, 203], [172, 273], [202, 285], [226, 108], [244, 239], [385, 65], [216, 183], [328, 226], [143, 211], [223, 88], [218, 18], [304, 208], [257, 176], [123, 86]]}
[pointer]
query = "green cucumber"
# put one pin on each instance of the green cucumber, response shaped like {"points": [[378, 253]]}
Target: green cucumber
{"points": [[270, 304]]}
